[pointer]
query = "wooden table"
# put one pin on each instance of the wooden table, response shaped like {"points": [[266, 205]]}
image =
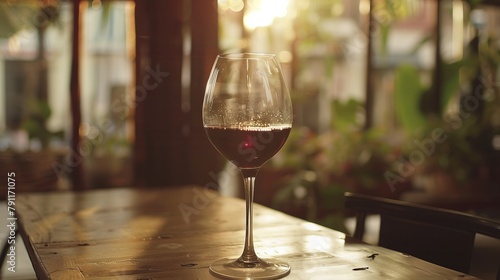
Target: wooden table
{"points": [[177, 232]]}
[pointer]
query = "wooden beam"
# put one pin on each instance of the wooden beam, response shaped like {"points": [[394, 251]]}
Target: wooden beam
{"points": [[160, 141], [204, 159], [76, 174], [369, 85]]}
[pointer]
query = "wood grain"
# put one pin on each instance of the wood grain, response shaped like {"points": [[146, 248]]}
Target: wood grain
{"points": [[142, 234]]}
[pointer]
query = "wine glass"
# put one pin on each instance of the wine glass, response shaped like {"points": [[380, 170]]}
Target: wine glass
{"points": [[247, 115]]}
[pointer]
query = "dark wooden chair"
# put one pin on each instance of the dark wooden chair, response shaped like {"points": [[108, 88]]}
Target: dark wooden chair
{"points": [[440, 236]]}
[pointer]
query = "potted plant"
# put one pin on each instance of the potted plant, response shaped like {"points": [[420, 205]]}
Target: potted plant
{"points": [[322, 166]]}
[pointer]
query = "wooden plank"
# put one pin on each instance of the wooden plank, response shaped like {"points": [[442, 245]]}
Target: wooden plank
{"points": [[203, 157], [77, 173], [159, 146], [142, 234]]}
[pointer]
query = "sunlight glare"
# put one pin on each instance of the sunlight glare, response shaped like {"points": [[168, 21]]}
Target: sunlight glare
{"points": [[263, 12], [236, 5], [233, 5], [285, 56], [364, 7]]}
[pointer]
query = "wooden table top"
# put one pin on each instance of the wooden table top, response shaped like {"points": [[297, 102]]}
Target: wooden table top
{"points": [[177, 232]]}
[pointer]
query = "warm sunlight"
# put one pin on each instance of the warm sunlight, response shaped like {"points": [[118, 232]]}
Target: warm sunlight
{"points": [[233, 5], [262, 12]]}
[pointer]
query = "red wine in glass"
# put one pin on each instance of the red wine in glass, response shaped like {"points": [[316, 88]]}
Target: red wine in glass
{"points": [[247, 115], [248, 147]]}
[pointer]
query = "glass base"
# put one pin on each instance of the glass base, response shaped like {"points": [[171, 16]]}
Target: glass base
{"points": [[264, 269]]}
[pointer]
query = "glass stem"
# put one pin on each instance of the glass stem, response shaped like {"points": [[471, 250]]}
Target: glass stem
{"points": [[249, 255]]}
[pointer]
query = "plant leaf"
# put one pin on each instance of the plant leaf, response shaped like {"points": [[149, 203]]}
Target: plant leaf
{"points": [[407, 95], [451, 82]]}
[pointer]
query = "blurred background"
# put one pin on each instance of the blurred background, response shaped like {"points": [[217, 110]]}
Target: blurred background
{"points": [[394, 98]]}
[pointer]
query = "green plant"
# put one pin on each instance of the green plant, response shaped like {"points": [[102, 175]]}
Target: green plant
{"points": [[346, 158], [468, 113]]}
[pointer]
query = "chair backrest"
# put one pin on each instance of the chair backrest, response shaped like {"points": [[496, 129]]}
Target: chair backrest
{"points": [[440, 236]]}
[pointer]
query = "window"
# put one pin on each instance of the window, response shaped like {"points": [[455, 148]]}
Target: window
{"points": [[35, 61]]}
